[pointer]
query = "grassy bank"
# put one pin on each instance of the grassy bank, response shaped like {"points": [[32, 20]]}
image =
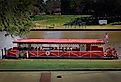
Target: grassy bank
{"points": [[54, 20], [57, 21], [60, 64]]}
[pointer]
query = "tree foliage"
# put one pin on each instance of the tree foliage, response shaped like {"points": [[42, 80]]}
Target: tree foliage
{"points": [[107, 7], [51, 6], [92, 7], [15, 16], [76, 6], [39, 7]]}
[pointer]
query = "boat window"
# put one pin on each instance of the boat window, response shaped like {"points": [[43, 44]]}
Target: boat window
{"points": [[82, 47], [96, 48]]}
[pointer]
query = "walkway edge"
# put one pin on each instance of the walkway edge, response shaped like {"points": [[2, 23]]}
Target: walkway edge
{"points": [[75, 30], [94, 69]]}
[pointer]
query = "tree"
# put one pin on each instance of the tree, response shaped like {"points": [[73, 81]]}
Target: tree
{"points": [[65, 7], [77, 6], [15, 16], [102, 7], [107, 7], [92, 7], [39, 7], [52, 5]]}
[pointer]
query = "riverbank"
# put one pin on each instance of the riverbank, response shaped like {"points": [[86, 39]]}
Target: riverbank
{"points": [[54, 20], [86, 27], [58, 64], [58, 21]]}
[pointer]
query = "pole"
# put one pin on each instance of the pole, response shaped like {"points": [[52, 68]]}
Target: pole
{"points": [[69, 50], [29, 48], [37, 50], [80, 49], [2, 53], [59, 50], [27, 54], [5, 51], [90, 52]]}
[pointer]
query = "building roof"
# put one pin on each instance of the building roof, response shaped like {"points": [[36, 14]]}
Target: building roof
{"points": [[60, 41]]}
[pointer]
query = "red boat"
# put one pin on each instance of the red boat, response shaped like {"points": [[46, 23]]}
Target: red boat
{"points": [[61, 48]]}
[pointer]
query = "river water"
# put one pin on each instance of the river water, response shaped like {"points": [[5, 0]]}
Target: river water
{"points": [[114, 37]]}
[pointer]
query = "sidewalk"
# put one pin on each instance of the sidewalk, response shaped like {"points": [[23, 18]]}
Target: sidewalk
{"points": [[19, 77], [62, 76], [87, 76]]}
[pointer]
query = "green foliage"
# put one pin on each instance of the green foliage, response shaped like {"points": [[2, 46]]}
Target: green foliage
{"points": [[91, 7], [15, 16], [57, 20], [51, 6]]}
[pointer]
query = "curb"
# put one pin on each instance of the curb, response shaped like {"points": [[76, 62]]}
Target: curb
{"points": [[34, 70]]}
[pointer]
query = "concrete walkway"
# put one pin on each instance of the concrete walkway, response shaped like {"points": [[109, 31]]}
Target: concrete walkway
{"points": [[19, 77], [62, 76], [87, 76]]}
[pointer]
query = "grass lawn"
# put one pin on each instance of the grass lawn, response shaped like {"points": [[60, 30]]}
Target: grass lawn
{"points": [[54, 20], [57, 21], [58, 64]]}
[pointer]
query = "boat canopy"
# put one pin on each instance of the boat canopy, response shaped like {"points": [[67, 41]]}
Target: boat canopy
{"points": [[59, 41]]}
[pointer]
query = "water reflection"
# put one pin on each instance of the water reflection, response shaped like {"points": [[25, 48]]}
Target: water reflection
{"points": [[52, 34]]}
